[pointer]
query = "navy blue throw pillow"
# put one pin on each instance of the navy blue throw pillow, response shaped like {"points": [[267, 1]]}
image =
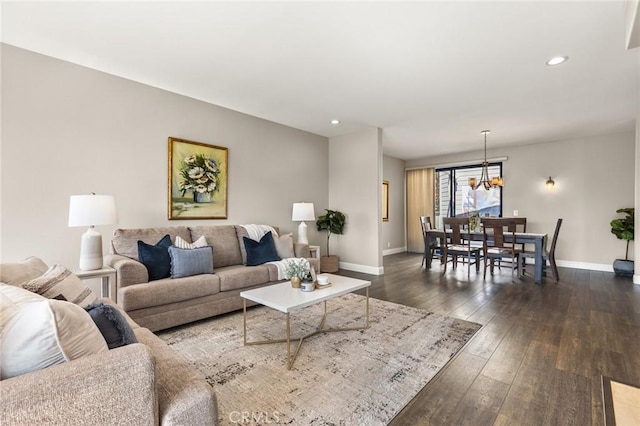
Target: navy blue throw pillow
{"points": [[112, 325], [259, 252], [156, 258]]}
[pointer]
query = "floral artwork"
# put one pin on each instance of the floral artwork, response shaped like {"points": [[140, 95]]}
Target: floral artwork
{"points": [[199, 175], [197, 180]]}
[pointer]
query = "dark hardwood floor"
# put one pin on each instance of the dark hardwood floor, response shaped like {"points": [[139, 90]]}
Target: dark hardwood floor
{"points": [[541, 351]]}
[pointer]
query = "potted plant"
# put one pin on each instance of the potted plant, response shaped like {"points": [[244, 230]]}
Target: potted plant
{"points": [[333, 222], [623, 229], [296, 270]]}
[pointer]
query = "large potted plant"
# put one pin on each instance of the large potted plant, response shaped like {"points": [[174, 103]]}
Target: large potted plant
{"points": [[623, 229], [333, 222]]}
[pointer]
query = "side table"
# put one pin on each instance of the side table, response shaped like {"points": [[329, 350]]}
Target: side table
{"points": [[108, 276]]}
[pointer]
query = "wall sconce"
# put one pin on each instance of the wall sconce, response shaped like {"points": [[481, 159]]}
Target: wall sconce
{"points": [[550, 183]]}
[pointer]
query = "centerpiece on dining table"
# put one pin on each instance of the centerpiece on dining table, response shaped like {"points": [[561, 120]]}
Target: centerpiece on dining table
{"points": [[474, 222]]}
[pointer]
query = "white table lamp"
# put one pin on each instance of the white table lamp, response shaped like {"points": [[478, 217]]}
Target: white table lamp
{"points": [[302, 212], [91, 210]]}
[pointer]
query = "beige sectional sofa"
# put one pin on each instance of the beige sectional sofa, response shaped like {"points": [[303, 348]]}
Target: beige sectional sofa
{"points": [[168, 302], [144, 383]]}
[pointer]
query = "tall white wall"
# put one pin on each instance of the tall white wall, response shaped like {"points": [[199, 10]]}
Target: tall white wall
{"points": [[594, 177], [70, 130], [355, 177], [393, 231]]}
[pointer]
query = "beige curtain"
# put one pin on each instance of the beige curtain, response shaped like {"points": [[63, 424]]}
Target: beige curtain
{"points": [[419, 203]]}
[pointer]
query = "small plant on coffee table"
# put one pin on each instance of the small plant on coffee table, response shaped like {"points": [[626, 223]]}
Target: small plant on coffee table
{"points": [[297, 268]]}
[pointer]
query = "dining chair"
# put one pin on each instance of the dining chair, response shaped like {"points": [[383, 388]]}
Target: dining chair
{"points": [[429, 249], [455, 245], [519, 224], [494, 246], [550, 255]]}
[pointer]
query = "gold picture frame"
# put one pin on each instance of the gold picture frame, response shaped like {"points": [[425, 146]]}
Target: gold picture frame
{"points": [[197, 180], [385, 201]]}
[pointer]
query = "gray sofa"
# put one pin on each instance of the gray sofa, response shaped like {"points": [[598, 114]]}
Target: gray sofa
{"points": [[144, 383], [167, 302]]}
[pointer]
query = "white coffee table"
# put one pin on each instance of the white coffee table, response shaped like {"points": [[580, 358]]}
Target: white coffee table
{"points": [[282, 297]]}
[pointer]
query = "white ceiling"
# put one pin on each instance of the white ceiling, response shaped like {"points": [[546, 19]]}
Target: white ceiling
{"points": [[432, 75]]}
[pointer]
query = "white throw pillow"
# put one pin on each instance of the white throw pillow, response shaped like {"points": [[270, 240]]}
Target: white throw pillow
{"points": [[61, 284], [182, 244], [284, 246], [36, 332]]}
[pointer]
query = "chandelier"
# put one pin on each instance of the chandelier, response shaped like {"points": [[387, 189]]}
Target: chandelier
{"points": [[485, 182]]}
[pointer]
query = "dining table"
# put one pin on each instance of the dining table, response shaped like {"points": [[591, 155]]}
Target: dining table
{"points": [[539, 242]]}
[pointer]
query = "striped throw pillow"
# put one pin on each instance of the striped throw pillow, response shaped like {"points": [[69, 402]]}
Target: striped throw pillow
{"points": [[182, 244], [61, 284]]}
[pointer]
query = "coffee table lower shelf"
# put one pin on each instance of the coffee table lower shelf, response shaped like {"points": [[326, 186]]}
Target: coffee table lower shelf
{"points": [[288, 339]]}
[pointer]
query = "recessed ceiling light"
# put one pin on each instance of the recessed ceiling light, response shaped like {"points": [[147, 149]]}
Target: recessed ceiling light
{"points": [[557, 60], [335, 122]]}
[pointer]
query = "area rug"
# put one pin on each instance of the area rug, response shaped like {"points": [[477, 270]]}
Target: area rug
{"points": [[344, 378]]}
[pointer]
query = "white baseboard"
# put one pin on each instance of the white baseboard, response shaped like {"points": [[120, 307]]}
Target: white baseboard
{"points": [[580, 265], [636, 279], [586, 265], [362, 268], [394, 251]]}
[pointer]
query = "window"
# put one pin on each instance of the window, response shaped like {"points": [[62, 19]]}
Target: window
{"points": [[454, 196]]}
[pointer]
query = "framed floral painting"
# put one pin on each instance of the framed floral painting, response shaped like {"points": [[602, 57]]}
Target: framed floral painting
{"points": [[197, 180]]}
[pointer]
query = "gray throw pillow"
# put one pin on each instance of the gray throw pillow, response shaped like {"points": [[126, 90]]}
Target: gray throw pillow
{"points": [[114, 327], [284, 246], [187, 262]]}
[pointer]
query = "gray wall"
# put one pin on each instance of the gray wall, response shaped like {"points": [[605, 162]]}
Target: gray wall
{"points": [[594, 177], [393, 231], [71, 130], [355, 178]]}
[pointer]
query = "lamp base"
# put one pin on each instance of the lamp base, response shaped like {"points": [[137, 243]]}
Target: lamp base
{"points": [[302, 233], [91, 250]]}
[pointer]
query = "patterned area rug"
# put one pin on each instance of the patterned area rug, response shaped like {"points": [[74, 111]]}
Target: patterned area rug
{"points": [[344, 378]]}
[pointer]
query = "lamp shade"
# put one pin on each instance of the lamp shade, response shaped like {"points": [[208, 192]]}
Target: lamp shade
{"points": [[303, 211], [92, 210]]}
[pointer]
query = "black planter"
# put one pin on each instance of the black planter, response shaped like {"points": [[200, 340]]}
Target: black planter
{"points": [[623, 268]]}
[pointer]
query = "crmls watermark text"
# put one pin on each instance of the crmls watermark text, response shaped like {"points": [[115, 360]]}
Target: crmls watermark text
{"points": [[260, 417]]}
